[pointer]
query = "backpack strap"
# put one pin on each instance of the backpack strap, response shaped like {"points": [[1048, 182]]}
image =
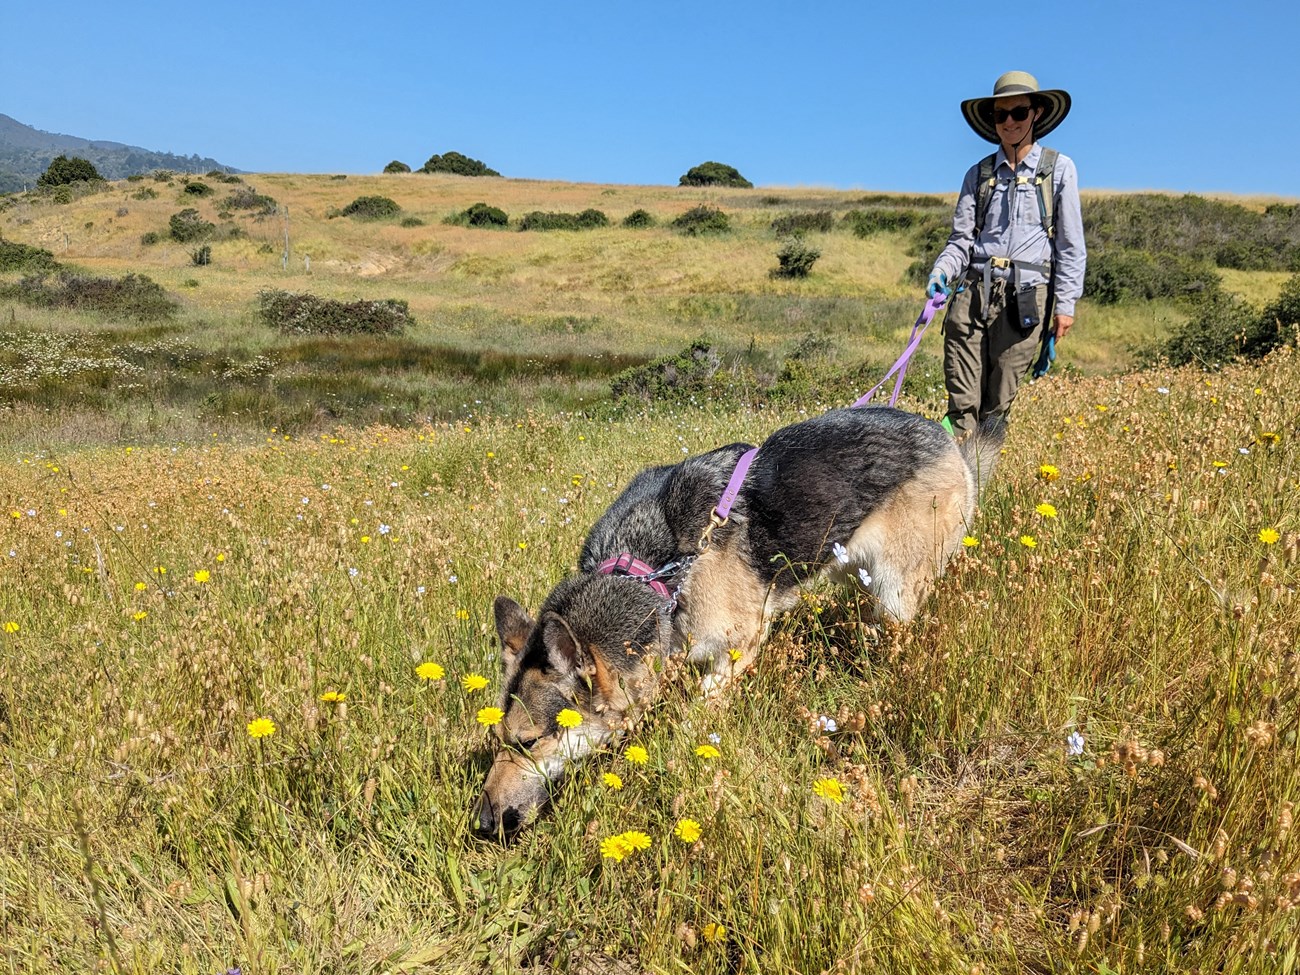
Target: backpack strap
{"points": [[984, 186], [1043, 184]]}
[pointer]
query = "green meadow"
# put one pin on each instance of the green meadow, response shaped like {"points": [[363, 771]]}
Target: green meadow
{"points": [[228, 554]]}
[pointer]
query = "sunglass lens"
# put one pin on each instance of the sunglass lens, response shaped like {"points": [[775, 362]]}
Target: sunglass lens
{"points": [[1019, 114]]}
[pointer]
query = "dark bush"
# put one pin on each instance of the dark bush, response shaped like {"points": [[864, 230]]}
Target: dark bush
{"points": [[1113, 276], [188, 226], [795, 259], [221, 176], [63, 170], [371, 208], [687, 373], [150, 238], [198, 188], [865, 223], [586, 220], [639, 218], [820, 221], [133, 296], [412, 222], [714, 174], [306, 314], [201, 257], [702, 219], [396, 166], [481, 215], [23, 257], [454, 162], [144, 193], [1220, 331], [247, 198]]}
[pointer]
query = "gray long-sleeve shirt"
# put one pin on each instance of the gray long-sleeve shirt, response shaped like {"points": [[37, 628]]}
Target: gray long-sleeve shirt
{"points": [[1013, 227]]}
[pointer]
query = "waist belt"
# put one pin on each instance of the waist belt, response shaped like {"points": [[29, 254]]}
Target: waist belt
{"points": [[1007, 263]]}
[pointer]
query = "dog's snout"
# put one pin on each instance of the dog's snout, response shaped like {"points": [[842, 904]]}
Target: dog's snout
{"points": [[496, 823]]}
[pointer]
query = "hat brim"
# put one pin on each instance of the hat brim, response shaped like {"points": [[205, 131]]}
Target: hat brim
{"points": [[978, 112]]}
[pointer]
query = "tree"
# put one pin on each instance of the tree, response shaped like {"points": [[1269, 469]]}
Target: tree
{"points": [[454, 162], [397, 166], [63, 171], [714, 174]]}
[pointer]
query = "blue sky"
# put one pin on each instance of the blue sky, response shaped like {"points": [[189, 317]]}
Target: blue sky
{"points": [[1189, 96]]}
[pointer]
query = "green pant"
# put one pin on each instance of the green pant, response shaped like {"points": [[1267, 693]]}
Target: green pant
{"points": [[984, 358]]}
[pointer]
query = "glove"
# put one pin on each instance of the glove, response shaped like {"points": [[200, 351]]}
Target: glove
{"points": [[938, 282]]}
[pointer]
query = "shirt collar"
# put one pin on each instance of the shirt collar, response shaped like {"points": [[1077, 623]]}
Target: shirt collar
{"points": [[1029, 162]]}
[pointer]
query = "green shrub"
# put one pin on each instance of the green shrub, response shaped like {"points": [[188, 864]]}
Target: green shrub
{"points": [[703, 219], [23, 257], [198, 188], [397, 166], [133, 296], [795, 259], [306, 314], [163, 175], [480, 215], [1113, 276], [144, 193], [638, 219], [63, 170], [371, 208], [714, 174], [865, 223], [247, 198], [188, 226], [820, 221], [412, 222], [150, 238], [454, 162], [689, 372], [202, 256], [586, 220]]}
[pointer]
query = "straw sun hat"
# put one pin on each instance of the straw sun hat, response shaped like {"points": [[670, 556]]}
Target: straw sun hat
{"points": [[979, 111]]}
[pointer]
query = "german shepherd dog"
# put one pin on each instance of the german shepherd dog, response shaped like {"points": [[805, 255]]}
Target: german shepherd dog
{"points": [[872, 489]]}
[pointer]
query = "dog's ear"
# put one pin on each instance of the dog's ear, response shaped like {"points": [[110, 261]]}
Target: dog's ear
{"points": [[513, 626], [566, 654]]}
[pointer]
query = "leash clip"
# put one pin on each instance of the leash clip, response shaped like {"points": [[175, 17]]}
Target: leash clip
{"points": [[706, 536]]}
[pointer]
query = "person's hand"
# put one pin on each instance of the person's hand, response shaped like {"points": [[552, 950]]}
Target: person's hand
{"points": [[938, 282], [1062, 323]]}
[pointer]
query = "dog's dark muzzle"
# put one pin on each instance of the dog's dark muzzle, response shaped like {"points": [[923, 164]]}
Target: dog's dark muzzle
{"points": [[492, 822]]}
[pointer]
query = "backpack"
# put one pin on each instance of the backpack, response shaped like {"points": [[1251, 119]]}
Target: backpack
{"points": [[1042, 184]]}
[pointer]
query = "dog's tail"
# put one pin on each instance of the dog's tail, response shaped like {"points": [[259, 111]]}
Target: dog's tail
{"points": [[981, 449]]}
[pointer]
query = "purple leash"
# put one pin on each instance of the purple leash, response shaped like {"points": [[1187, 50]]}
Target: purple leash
{"points": [[918, 332]]}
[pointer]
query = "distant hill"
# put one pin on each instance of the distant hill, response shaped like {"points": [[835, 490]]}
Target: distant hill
{"points": [[25, 152]]}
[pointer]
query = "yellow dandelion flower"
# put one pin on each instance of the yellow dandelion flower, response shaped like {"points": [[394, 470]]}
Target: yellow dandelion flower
{"points": [[568, 718], [139, 616], [489, 716], [221, 556], [523, 546], [1220, 464], [490, 455], [333, 697], [829, 789], [462, 614], [707, 752], [203, 575], [1102, 407], [735, 655], [714, 933], [1269, 437], [1269, 536], [141, 586], [636, 755], [1028, 541], [261, 728], [970, 541], [1046, 510], [12, 627], [614, 848], [1049, 472], [636, 840], [365, 539], [429, 671], [160, 570], [473, 682], [687, 830], [612, 781]]}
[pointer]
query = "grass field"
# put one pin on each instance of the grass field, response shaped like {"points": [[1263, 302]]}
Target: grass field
{"points": [[1083, 757]]}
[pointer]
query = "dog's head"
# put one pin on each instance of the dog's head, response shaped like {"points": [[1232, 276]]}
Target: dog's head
{"points": [[590, 650]]}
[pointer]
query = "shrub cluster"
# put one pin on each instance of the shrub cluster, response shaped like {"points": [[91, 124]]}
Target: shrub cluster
{"points": [[198, 188], [819, 221], [132, 296], [220, 176], [588, 219], [63, 170], [247, 198], [372, 208], [876, 220], [454, 162], [23, 257], [639, 218], [795, 258], [188, 226], [202, 256], [689, 372], [702, 219], [1113, 276], [397, 166], [714, 174], [479, 215], [1224, 328], [307, 314]]}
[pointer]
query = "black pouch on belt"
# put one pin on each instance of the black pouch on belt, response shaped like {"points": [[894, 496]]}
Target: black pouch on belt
{"points": [[1027, 306]]}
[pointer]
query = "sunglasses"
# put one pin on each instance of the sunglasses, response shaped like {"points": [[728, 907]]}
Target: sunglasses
{"points": [[1018, 114]]}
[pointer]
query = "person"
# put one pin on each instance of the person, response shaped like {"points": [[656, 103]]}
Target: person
{"points": [[1016, 255]]}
